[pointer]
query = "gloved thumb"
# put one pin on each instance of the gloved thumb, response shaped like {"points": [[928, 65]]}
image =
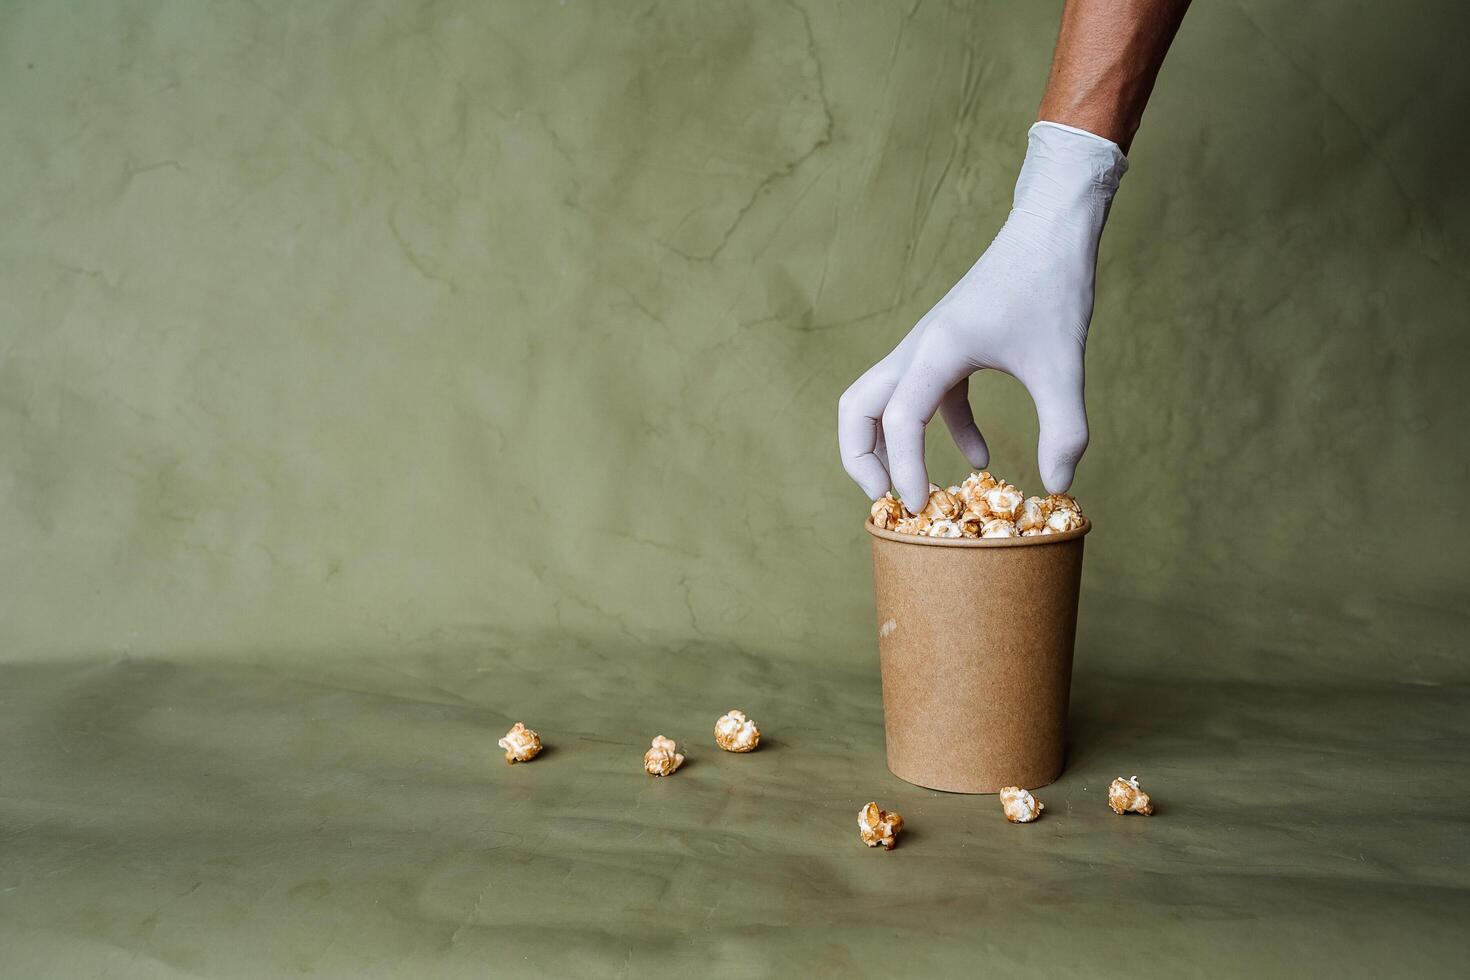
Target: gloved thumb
{"points": [[1062, 415]]}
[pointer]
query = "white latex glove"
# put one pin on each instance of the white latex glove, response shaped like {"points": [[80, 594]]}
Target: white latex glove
{"points": [[1023, 308]]}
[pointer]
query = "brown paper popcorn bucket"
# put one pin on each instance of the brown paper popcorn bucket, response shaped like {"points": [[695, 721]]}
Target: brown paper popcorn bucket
{"points": [[975, 641]]}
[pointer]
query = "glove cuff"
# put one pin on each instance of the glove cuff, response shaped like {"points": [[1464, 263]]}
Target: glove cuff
{"points": [[1069, 174]]}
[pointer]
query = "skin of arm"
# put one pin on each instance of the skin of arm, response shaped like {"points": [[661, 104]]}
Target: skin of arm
{"points": [[1108, 55], [1024, 308]]}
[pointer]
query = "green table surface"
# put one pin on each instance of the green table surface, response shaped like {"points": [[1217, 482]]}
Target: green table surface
{"points": [[355, 818]]}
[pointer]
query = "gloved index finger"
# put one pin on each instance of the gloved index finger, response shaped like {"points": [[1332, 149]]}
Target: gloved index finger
{"points": [[934, 370], [859, 437]]}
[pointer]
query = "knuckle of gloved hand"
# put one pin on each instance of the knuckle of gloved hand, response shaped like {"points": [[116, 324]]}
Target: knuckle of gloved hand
{"points": [[940, 321], [938, 348], [855, 398], [861, 390], [942, 328], [897, 421]]}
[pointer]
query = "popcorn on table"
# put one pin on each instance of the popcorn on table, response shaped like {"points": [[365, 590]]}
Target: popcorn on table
{"points": [[736, 733], [1124, 796], [879, 828], [520, 744], [980, 507], [1019, 805], [663, 757]]}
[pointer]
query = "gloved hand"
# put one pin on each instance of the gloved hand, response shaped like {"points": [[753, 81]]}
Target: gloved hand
{"points": [[1023, 308]]}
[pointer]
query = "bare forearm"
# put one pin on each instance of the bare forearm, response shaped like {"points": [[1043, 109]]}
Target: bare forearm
{"points": [[1108, 54]]}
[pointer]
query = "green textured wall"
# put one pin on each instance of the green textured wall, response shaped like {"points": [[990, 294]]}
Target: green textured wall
{"points": [[336, 327]]}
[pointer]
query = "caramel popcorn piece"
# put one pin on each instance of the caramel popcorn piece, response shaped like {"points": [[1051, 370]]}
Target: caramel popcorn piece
{"points": [[879, 828], [1063, 519], [887, 511], [1056, 501], [980, 481], [941, 506], [663, 757], [1004, 501], [1034, 512], [999, 528], [1124, 796], [973, 491], [520, 744], [944, 529], [1019, 805], [912, 525], [736, 733], [970, 524]]}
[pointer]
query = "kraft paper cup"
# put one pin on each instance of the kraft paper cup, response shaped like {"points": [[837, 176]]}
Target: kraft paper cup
{"points": [[975, 640]]}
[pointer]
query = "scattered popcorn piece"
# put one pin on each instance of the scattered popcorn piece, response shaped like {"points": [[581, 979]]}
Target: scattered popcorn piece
{"points": [[1033, 515], [944, 529], [999, 528], [1004, 500], [887, 512], [1124, 796], [1019, 805], [879, 828], [912, 525], [1063, 519], [663, 758], [520, 744], [941, 506], [736, 733]]}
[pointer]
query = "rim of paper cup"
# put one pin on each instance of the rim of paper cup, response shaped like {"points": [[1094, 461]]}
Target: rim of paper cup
{"points": [[1017, 542]]}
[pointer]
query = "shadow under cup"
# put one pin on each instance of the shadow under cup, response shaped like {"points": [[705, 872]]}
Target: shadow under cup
{"points": [[975, 641]]}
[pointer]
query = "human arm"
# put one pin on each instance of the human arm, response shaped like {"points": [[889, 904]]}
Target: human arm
{"points": [[1108, 55], [1025, 307]]}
